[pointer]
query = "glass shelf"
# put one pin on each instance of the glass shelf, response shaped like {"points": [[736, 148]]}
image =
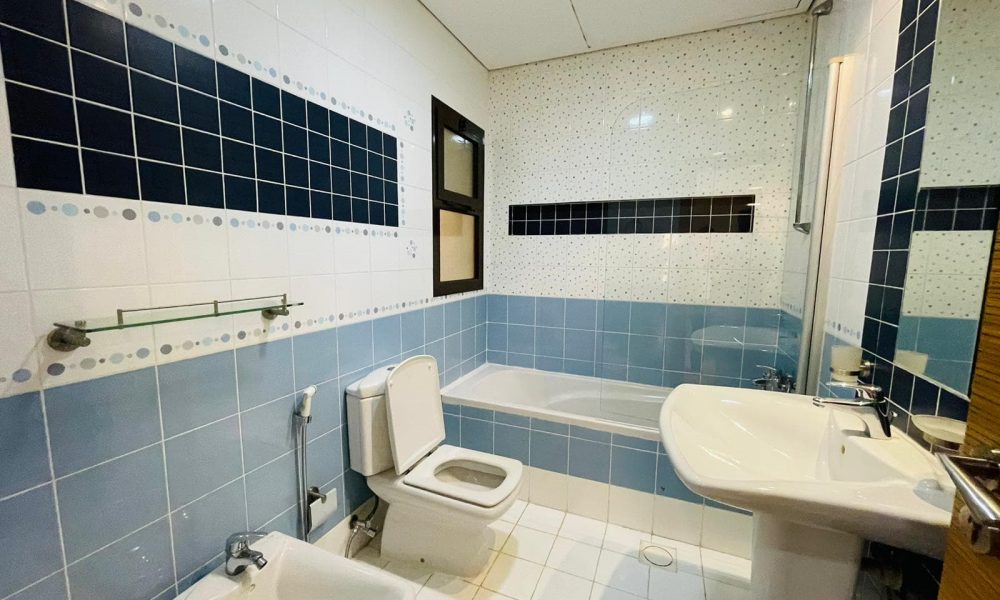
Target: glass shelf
{"points": [[69, 335]]}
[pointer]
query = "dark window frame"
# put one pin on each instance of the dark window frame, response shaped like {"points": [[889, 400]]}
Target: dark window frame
{"points": [[443, 116]]}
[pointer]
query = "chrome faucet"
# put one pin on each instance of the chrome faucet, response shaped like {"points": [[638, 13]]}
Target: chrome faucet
{"points": [[878, 420], [774, 380], [239, 556]]}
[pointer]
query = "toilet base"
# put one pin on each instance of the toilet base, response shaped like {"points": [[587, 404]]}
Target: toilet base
{"points": [[447, 544]]}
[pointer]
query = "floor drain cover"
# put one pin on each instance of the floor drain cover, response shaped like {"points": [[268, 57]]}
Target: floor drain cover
{"points": [[657, 556]]}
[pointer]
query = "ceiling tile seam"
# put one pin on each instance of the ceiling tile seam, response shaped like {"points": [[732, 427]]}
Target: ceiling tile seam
{"points": [[580, 25], [452, 33]]}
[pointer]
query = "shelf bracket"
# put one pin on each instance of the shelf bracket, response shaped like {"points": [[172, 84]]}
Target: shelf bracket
{"points": [[273, 313], [65, 339]]}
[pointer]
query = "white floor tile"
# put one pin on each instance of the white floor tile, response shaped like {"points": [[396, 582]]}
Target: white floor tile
{"points": [[622, 572], [603, 592], [583, 529], [416, 574], [478, 579], [688, 556], [542, 518], [670, 585], [485, 594], [556, 585], [623, 540], [716, 590], [513, 577], [725, 568], [574, 557], [501, 530], [444, 587], [514, 512], [529, 544]]}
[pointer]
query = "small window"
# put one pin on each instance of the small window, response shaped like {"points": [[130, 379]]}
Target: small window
{"points": [[459, 156]]}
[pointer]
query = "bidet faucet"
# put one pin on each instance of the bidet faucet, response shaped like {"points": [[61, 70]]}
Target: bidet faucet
{"points": [[866, 396], [239, 556]]}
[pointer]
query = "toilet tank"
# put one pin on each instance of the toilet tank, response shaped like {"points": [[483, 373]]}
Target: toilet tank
{"points": [[368, 424]]}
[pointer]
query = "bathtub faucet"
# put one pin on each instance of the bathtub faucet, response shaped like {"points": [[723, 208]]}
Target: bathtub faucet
{"points": [[774, 380]]}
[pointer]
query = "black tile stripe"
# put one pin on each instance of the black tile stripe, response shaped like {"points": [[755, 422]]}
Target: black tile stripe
{"points": [[957, 208], [712, 214], [160, 122]]}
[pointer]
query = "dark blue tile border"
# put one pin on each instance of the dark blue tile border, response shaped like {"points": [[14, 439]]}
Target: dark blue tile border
{"points": [[714, 214], [152, 78]]}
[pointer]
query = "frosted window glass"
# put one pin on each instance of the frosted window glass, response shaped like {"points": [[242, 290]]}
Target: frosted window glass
{"points": [[458, 245], [459, 158]]}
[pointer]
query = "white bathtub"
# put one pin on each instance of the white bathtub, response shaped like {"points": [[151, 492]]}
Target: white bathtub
{"points": [[603, 404]]}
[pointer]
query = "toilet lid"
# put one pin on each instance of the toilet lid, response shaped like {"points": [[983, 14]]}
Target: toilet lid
{"points": [[413, 405]]}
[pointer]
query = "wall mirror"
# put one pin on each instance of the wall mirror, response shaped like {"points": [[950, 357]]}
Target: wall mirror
{"points": [[957, 196]]}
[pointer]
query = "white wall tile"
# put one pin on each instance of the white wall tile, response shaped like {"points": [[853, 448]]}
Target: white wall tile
{"points": [[184, 22], [19, 368], [13, 276], [247, 38], [588, 498], [727, 531], [77, 241], [310, 246], [185, 243], [252, 328], [549, 489], [629, 508], [188, 339], [677, 519], [258, 245], [302, 63]]}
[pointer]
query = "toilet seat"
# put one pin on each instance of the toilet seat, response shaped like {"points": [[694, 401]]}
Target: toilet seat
{"points": [[465, 475]]}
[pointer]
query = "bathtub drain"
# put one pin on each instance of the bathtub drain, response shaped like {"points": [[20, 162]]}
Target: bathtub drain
{"points": [[657, 556]]}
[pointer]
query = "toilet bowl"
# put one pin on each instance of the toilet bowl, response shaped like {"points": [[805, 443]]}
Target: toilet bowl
{"points": [[441, 498]]}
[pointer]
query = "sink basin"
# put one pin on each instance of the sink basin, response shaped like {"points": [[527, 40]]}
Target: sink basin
{"points": [[817, 484], [299, 571]]}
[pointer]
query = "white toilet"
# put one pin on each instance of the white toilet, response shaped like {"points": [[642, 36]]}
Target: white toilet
{"points": [[440, 497]]}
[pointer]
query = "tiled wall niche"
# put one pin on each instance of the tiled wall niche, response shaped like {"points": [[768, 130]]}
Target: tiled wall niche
{"points": [[204, 133], [664, 215]]}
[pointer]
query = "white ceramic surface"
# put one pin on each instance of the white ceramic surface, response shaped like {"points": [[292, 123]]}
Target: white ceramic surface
{"points": [[779, 454], [299, 571]]}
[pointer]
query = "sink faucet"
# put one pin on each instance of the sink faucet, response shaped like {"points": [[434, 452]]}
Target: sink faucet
{"points": [[239, 556], [878, 420]]}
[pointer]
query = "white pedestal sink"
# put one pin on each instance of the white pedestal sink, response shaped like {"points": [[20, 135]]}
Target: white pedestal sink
{"points": [[299, 571], [817, 484]]}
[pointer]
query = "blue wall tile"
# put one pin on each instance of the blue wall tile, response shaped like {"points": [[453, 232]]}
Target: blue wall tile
{"points": [[634, 442], [468, 343], [581, 314], [270, 490], [615, 316], [578, 367], [452, 318], [669, 484], [477, 435], [633, 469], [580, 344], [327, 409], [315, 357], [496, 337], [512, 442], [354, 348], [550, 312], [549, 451], [685, 320], [138, 566], [511, 419], [50, 588], [100, 505], [326, 459], [452, 351], [468, 312], [549, 426], [645, 351], [30, 535], [412, 329], [118, 413], [264, 372], [496, 308], [612, 348], [203, 459], [549, 363], [648, 318], [549, 341], [521, 339], [722, 359], [521, 310], [198, 527], [387, 332], [452, 430], [22, 444], [477, 413], [433, 323], [197, 391], [268, 432], [590, 460], [592, 435]]}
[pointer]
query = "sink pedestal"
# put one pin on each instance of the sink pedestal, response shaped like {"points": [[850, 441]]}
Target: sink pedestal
{"points": [[792, 561]]}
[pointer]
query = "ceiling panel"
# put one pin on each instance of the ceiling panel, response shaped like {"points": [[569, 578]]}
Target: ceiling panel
{"points": [[501, 33], [618, 22]]}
